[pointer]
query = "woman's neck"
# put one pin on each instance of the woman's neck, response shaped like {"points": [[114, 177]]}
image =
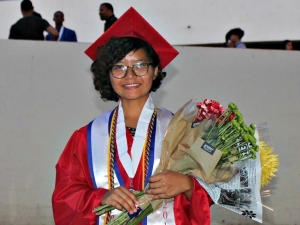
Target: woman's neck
{"points": [[132, 110]]}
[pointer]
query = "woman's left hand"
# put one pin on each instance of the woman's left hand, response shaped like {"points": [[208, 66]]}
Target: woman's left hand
{"points": [[168, 184]]}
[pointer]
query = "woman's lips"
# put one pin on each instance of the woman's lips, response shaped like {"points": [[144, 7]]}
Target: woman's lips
{"points": [[131, 85]]}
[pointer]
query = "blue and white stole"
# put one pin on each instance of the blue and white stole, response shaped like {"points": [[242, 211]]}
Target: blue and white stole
{"points": [[98, 149]]}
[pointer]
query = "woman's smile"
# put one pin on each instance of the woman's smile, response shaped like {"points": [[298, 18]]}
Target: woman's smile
{"points": [[131, 86]]}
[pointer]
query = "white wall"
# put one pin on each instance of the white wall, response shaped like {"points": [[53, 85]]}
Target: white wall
{"points": [[262, 20], [46, 93]]}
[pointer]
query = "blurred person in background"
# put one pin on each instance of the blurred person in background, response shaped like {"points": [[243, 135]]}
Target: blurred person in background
{"points": [[235, 36], [287, 45], [37, 14], [106, 12], [30, 27], [228, 43], [65, 34]]}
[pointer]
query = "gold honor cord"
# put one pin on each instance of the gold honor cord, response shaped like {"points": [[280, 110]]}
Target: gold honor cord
{"points": [[111, 155]]}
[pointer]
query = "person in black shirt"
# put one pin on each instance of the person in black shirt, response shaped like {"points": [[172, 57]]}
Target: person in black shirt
{"points": [[30, 27], [37, 14], [106, 12]]}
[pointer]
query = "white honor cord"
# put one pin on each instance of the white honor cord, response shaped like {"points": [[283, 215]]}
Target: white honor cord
{"points": [[131, 165]]}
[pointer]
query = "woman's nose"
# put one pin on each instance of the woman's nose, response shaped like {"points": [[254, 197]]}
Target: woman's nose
{"points": [[130, 73]]}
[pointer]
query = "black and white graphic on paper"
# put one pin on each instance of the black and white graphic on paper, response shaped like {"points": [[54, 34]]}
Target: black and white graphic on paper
{"points": [[244, 150], [238, 198], [208, 148], [249, 214], [244, 179]]}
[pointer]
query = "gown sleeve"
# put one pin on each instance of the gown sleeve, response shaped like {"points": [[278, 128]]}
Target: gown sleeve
{"points": [[195, 211], [74, 197]]}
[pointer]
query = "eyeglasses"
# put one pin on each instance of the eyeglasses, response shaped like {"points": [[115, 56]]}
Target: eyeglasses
{"points": [[139, 69]]}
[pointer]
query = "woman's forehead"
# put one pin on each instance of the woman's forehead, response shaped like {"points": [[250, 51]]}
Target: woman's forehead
{"points": [[136, 55]]}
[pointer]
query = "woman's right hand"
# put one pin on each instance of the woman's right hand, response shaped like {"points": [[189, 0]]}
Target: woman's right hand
{"points": [[121, 198]]}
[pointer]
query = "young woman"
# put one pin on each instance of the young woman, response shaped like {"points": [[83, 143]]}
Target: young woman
{"points": [[118, 151]]}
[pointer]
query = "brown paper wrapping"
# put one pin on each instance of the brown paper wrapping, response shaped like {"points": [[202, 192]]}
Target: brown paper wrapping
{"points": [[182, 152]]}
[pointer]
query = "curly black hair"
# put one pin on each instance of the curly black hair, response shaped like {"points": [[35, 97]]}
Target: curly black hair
{"points": [[111, 53]]}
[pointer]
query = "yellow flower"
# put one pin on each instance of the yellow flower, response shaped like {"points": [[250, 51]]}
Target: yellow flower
{"points": [[269, 163]]}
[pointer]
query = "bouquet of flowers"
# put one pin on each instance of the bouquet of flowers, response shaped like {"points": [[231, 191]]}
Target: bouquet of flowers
{"points": [[204, 140]]}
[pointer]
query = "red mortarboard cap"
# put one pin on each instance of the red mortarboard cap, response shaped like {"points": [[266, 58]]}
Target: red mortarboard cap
{"points": [[132, 24]]}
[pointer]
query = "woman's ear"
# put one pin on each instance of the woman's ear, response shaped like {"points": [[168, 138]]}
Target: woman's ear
{"points": [[155, 72]]}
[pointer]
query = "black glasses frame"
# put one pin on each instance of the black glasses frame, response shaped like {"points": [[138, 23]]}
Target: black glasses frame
{"points": [[132, 67]]}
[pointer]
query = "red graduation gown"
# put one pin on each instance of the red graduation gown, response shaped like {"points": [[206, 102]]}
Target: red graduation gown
{"points": [[74, 197]]}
